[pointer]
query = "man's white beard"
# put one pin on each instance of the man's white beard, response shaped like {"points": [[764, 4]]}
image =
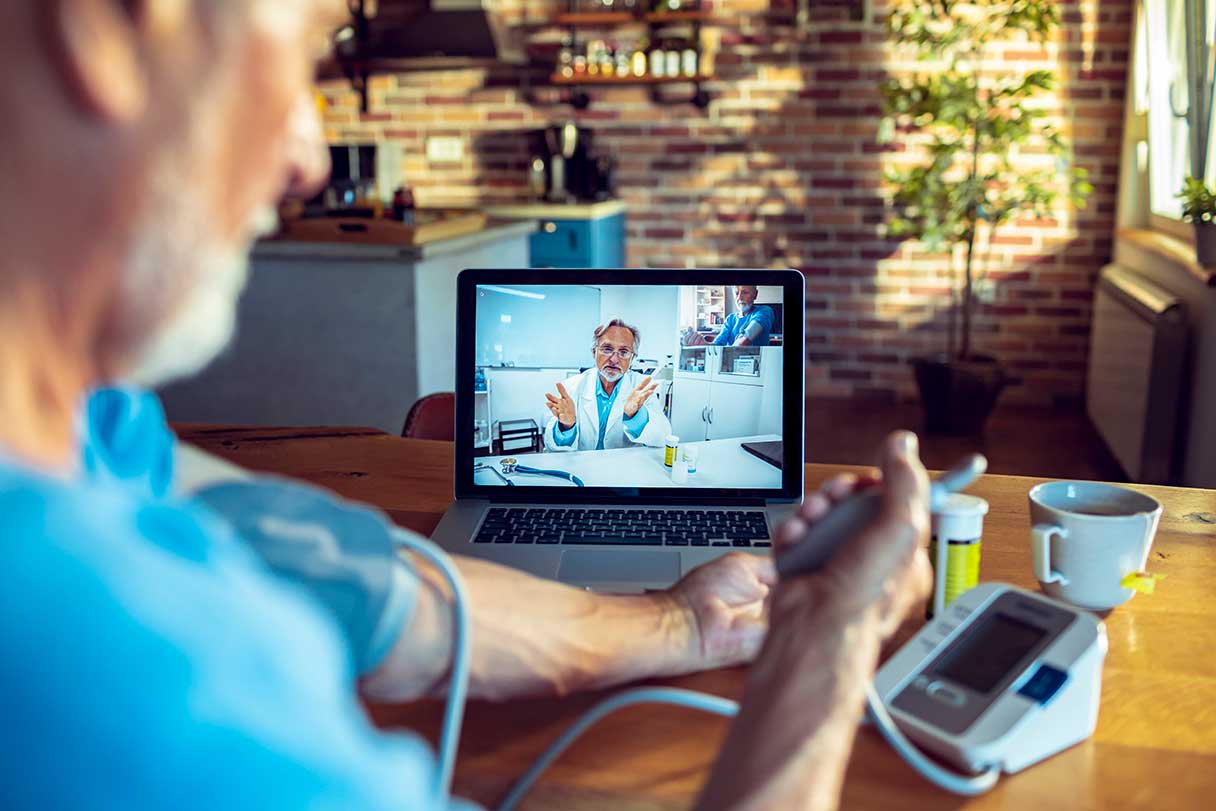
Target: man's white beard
{"points": [[611, 376], [204, 320]]}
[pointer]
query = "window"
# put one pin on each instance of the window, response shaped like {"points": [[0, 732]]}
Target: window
{"points": [[1162, 99]]}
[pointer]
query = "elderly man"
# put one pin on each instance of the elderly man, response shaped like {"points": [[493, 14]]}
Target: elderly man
{"points": [[751, 325], [161, 652], [598, 415]]}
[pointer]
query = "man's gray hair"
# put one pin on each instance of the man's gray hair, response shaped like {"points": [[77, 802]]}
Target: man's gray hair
{"points": [[616, 322]]}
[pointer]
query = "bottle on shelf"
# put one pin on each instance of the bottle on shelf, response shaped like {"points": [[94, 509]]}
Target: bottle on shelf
{"points": [[688, 60], [593, 57], [622, 60], [658, 61], [671, 58], [639, 62]]}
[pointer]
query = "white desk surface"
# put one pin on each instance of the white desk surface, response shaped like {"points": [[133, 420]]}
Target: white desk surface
{"points": [[720, 463]]}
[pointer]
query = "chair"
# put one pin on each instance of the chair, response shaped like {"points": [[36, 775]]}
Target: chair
{"points": [[432, 417]]}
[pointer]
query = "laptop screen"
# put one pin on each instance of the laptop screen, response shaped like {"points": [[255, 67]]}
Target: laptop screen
{"points": [[628, 386]]}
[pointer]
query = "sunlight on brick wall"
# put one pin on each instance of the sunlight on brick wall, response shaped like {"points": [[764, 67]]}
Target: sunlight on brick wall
{"points": [[784, 169]]}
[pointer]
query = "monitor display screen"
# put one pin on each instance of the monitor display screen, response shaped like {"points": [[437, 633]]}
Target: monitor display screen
{"points": [[626, 386], [990, 652]]}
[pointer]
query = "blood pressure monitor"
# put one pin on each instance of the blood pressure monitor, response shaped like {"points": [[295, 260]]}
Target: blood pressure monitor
{"points": [[1003, 679]]}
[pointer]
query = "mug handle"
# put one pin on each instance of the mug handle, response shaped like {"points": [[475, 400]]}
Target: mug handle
{"points": [[1040, 551]]}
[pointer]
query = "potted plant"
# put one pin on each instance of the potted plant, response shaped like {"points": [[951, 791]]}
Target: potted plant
{"points": [[1199, 208], [970, 122]]}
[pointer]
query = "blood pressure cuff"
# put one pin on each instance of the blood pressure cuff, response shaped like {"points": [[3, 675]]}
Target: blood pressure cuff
{"points": [[339, 552]]}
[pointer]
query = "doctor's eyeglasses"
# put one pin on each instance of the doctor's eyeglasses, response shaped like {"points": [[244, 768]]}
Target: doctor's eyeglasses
{"points": [[608, 350]]}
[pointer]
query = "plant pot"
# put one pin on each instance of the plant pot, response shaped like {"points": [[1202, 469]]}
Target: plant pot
{"points": [[1205, 243], [958, 395]]}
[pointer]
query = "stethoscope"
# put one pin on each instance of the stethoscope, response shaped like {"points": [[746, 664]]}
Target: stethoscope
{"points": [[511, 465]]}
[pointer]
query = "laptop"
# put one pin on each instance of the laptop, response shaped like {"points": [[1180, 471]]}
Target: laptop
{"points": [[600, 431]]}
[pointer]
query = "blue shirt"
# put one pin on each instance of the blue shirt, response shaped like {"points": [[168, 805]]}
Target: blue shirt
{"points": [[603, 402], [737, 325], [150, 660]]}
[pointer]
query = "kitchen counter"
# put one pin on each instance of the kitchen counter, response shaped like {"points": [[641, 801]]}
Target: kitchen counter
{"points": [[287, 248], [558, 211], [344, 333]]}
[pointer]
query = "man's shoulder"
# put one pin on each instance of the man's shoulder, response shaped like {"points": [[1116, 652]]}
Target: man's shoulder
{"points": [[64, 535], [35, 505]]}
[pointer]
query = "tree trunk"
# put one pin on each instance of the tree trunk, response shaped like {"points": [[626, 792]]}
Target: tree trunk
{"points": [[968, 301]]}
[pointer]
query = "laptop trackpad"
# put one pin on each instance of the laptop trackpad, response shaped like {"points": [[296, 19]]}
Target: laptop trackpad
{"points": [[618, 566]]}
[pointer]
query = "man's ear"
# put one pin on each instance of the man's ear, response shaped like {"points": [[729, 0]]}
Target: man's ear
{"points": [[98, 53]]}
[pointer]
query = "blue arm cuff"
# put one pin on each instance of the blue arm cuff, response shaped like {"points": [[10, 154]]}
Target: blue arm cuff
{"points": [[340, 553], [635, 425], [564, 437]]}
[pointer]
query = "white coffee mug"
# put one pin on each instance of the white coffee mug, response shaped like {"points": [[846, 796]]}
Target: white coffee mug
{"points": [[1088, 536]]}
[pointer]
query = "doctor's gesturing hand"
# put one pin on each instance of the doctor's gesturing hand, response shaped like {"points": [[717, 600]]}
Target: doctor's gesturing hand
{"points": [[639, 396], [563, 408]]}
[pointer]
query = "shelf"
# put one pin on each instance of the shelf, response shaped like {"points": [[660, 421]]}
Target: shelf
{"points": [[596, 18], [588, 79], [614, 18], [679, 17]]}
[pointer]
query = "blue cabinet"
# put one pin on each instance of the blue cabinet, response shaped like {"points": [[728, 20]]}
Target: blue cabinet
{"points": [[574, 236], [598, 243]]}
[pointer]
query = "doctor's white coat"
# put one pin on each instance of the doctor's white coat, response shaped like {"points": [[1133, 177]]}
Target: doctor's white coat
{"points": [[581, 389]]}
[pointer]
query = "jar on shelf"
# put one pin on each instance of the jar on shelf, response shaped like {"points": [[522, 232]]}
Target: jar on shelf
{"points": [[671, 59], [658, 61], [639, 62], [688, 60]]}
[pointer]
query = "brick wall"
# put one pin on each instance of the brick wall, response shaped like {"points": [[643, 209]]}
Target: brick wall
{"points": [[784, 169]]}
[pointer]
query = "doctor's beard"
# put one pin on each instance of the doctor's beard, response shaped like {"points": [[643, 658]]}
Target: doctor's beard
{"points": [[611, 375]]}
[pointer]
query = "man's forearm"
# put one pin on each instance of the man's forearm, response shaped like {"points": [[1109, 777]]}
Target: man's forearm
{"points": [[534, 637], [789, 745]]}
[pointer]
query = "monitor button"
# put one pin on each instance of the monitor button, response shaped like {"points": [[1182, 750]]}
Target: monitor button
{"points": [[946, 694], [1044, 684]]}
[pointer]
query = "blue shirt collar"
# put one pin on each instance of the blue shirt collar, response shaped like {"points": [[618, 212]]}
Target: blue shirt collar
{"points": [[599, 387]]}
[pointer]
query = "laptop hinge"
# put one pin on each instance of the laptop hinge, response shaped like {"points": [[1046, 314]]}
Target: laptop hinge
{"points": [[533, 498]]}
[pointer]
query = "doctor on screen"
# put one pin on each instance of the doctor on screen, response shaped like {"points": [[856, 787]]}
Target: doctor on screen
{"points": [[608, 406]]}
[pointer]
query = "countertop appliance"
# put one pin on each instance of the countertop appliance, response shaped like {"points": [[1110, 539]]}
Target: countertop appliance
{"points": [[572, 171]]}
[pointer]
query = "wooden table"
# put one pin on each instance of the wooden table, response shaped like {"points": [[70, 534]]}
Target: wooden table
{"points": [[1155, 746]]}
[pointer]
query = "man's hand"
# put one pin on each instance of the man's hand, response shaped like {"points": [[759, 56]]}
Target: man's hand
{"points": [[790, 742], [726, 604], [884, 569], [639, 396], [562, 408]]}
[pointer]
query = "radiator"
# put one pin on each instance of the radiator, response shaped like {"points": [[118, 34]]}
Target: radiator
{"points": [[1136, 360]]}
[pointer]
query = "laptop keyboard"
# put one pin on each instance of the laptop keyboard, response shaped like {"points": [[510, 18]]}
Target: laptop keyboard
{"points": [[617, 527]]}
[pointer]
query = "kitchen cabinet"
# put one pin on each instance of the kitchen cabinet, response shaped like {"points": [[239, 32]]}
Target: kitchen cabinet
{"points": [[573, 236]]}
